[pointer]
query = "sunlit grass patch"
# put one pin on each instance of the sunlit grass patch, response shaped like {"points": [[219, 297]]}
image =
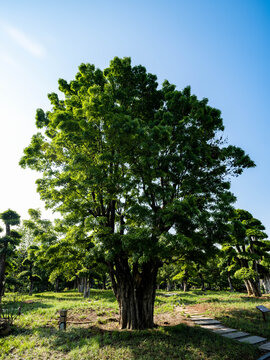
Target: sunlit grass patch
{"points": [[92, 331]]}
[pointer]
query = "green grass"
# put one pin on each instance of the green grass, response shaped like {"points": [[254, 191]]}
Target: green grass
{"points": [[235, 310], [35, 333]]}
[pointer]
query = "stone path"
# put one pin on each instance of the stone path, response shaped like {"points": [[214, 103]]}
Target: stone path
{"points": [[215, 326]]}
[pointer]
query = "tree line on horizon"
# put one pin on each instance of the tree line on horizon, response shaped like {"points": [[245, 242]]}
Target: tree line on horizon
{"points": [[39, 258]]}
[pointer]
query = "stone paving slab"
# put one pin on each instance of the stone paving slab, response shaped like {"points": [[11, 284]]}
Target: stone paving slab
{"points": [[212, 327], [235, 335], [265, 346], [198, 318], [172, 294], [265, 357], [194, 314], [253, 339], [215, 326], [206, 322], [224, 330], [190, 312]]}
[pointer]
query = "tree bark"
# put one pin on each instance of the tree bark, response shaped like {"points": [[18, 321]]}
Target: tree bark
{"points": [[266, 284], [86, 288], [252, 288], [57, 285], [31, 288], [249, 290], [104, 279], [202, 281], [135, 292], [3, 263], [31, 281], [169, 286], [230, 283], [2, 274]]}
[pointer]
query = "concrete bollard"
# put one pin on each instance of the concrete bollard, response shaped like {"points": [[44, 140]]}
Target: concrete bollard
{"points": [[63, 320]]}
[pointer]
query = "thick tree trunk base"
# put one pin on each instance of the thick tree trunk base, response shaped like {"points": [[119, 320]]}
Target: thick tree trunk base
{"points": [[135, 293], [266, 284], [252, 288]]}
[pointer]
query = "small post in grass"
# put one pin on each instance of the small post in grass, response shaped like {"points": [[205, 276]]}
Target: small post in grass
{"points": [[63, 320], [263, 310]]}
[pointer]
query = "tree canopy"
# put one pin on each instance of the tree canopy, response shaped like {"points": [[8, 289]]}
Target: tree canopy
{"points": [[139, 172]]}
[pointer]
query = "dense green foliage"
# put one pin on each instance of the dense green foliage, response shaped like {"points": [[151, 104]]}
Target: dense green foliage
{"points": [[139, 173], [245, 251]]}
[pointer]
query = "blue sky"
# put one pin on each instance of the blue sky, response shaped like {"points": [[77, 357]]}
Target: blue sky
{"points": [[220, 48]]}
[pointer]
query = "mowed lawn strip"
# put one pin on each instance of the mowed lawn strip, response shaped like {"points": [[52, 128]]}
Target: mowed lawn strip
{"points": [[93, 333]]}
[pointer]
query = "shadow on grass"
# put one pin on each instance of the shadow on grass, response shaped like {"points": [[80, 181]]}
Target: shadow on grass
{"points": [[60, 298], [178, 342], [75, 296], [25, 306]]}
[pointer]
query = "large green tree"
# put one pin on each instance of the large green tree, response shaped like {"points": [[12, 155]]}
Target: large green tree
{"points": [[141, 171]]}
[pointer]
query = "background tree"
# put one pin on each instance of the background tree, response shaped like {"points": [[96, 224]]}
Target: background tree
{"points": [[143, 172], [37, 236], [245, 249], [30, 264], [7, 243]]}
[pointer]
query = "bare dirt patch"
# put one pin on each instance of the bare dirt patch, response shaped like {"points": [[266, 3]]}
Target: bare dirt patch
{"points": [[170, 318], [199, 308], [109, 320]]}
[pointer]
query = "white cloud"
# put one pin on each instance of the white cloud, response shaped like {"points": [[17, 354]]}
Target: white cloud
{"points": [[9, 60], [33, 47]]}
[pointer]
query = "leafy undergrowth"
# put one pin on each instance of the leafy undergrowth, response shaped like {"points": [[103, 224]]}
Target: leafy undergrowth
{"points": [[92, 331]]}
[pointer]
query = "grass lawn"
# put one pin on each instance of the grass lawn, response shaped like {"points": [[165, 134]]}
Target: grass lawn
{"points": [[92, 329]]}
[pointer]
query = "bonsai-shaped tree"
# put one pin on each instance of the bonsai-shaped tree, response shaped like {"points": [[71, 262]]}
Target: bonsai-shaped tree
{"points": [[245, 249], [7, 243]]}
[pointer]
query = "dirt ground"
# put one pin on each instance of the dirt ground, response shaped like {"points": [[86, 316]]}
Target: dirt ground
{"points": [[109, 320]]}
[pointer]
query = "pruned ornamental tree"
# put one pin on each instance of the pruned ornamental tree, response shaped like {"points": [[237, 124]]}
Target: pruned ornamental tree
{"points": [[138, 171], [246, 251], [7, 243]]}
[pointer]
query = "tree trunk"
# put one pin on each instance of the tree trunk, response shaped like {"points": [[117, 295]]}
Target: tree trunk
{"points": [[230, 283], [2, 274], [86, 289], [57, 285], [3, 264], [31, 287], [255, 288], [252, 288], [104, 280], [247, 285], [202, 281], [135, 292], [266, 284], [31, 281], [75, 285]]}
